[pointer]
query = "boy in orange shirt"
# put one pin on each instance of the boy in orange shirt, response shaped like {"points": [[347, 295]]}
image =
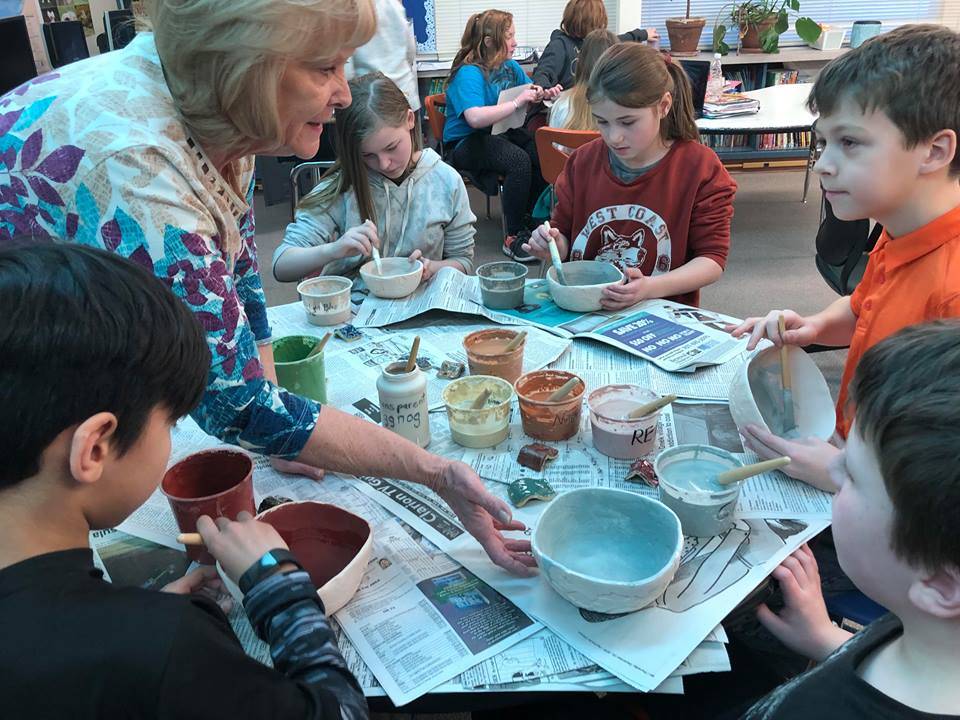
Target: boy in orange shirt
{"points": [[887, 135]]}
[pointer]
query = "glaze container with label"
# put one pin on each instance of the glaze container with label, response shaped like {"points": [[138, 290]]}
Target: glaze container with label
{"points": [[486, 356], [688, 487], [403, 402], [616, 435], [542, 418], [483, 427]]}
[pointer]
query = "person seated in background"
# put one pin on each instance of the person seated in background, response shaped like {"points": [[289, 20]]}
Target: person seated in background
{"points": [[570, 110], [894, 526], [887, 134], [100, 360], [385, 191], [392, 50]]}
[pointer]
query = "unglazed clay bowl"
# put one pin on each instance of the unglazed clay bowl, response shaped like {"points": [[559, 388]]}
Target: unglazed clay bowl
{"points": [[400, 277], [333, 546], [756, 394], [326, 299], [586, 280], [605, 550]]}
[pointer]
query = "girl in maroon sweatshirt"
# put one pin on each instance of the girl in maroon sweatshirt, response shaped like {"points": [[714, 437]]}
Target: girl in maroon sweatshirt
{"points": [[646, 196]]}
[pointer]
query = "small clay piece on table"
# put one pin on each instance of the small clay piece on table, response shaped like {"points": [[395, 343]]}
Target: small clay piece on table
{"points": [[524, 490], [271, 501], [348, 333], [536, 455], [451, 369], [641, 470], [424, 363]]}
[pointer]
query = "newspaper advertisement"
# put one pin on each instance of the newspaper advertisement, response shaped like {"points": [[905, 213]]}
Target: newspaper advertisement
{"points": [[672, 336], [419, 619], [352, 369]]}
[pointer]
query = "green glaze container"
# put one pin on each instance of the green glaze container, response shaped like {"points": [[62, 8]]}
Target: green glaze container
{"points": [[297, 373]]}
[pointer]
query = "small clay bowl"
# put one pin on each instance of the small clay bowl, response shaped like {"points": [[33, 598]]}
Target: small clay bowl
{"points": [[326, 299], [544, 419], [333, 545], [400, 277], [484, 427], [605, 550], [586, 280], [756, 394]]}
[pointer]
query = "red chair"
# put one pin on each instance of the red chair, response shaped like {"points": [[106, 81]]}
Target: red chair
{"points": [[553, 158]]}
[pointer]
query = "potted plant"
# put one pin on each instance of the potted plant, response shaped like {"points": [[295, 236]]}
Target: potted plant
{"points": [[761, 24], [684, 33]]}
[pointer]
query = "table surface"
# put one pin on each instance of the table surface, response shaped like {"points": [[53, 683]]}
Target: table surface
{"points": [[782, 107]]}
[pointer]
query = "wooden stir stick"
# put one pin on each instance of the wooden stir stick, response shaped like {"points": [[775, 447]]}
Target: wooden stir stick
{"points": [[741, 473], [318, 348], [651, 406], [412, 360], [564, 390], [515, 342], [189, 539], [481, 400]]}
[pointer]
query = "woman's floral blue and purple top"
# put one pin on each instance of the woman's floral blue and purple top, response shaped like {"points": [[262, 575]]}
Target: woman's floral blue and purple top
{"points": [[96, 153]]}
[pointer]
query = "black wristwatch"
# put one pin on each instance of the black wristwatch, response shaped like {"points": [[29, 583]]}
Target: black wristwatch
{"points": [[265, 566]]}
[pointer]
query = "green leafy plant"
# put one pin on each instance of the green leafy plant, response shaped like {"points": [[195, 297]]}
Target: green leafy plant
{"points": [[754, 12]]}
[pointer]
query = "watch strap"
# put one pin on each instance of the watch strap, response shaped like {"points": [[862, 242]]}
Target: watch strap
{"points": [[266, 565]]}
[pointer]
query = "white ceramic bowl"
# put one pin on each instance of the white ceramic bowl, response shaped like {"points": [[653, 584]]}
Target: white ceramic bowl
{"points": [[610, 551], [756, 394], [326, 299], [400, 277], [333, 544], [586, 280]]}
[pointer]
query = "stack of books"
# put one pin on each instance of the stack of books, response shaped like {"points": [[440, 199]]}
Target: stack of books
{"points": [[730, 104]]}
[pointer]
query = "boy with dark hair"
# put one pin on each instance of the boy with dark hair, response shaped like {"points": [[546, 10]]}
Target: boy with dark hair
{"points": [[887, 135], [894, 525], [99, 360]]}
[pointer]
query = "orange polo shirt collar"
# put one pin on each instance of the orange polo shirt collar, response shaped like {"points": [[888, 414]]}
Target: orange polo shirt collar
{"points": [[921, 241]]}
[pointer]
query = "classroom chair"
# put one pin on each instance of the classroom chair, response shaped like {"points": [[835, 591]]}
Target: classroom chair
{"points": [[552, 157], [315, 169], [843, 248], [489, 184]]}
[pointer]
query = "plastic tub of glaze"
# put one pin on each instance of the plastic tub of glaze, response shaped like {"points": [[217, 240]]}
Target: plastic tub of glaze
{"points": [[400, 277], [605, 550], [297, 372], [326, 299], [486, 356], [487, 426], [501, 284], [586, 280], [218, 483], [686, 472], [333, 545], [544, 419], [756, 394], [616, 435]]}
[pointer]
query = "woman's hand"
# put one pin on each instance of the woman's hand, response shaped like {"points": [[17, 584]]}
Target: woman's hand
{"points": [[484, 516], [803, 625], [429, 267], [799, 330], [539, 245], [202, 581], [810, 458], [636, 288], [358, 240], [293, 467], [238, 544]]}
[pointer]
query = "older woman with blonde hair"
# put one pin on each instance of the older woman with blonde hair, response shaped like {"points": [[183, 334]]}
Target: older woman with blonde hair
{"points": [[148, 152]]}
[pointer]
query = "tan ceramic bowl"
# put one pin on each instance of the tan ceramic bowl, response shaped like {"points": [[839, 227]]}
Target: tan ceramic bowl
{"points": [[400, 277], [586, 280]]}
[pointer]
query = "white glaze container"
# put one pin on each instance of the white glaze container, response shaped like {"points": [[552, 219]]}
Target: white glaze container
{"points": [[605, 550], [685, 473], [403, 402], [326, 299]]}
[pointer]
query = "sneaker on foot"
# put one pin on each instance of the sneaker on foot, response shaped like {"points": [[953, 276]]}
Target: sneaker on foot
{"points": [[512, 247]]}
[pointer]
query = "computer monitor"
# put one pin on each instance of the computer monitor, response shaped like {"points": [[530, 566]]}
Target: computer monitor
{"points": [[66, 42], [18, 65], [119, 27], [698, 72]]}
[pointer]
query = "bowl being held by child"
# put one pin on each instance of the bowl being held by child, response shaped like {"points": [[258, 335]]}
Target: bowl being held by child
{"points": [[326, 299], [585, 281], [756, 394], [399, 277], [333, 545], [606, 550]]}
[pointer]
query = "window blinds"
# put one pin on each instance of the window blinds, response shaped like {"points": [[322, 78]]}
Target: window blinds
{"points": [[534, 20]]}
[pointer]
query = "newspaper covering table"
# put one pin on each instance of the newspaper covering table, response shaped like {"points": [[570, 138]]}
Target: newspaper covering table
{"points": [[671, 336]]}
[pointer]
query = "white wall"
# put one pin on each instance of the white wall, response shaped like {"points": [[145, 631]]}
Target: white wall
{"points": [[628, 17]]}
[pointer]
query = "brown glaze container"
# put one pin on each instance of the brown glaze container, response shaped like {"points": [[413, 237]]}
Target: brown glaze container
{"points": [[218, 483], [547, 420], [485, 354]]}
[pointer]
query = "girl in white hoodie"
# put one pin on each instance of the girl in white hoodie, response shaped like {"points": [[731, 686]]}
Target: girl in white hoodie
{"points": [[385, 190]]}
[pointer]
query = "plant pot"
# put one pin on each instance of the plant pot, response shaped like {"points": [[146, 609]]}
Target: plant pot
{"points": [[684, 34], [750, 35]]}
